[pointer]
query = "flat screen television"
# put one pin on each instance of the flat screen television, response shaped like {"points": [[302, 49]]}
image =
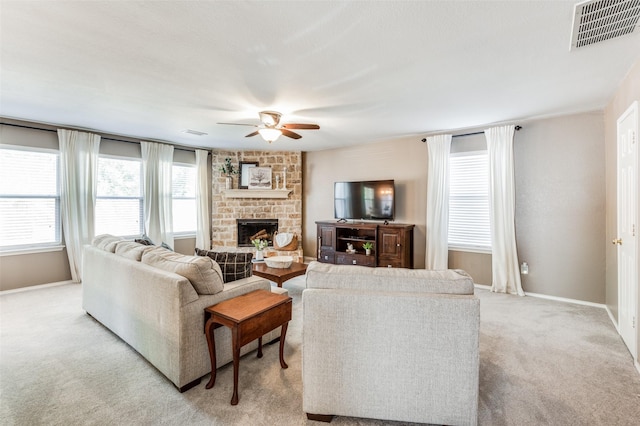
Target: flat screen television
{"points": [[365, 200]]}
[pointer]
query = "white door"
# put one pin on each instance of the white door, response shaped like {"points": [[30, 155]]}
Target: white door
{"points": [[628, 226]]}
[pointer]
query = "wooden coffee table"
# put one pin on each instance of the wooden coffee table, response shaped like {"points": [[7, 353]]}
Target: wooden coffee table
{"points": [[279, 275], [249, 317]]}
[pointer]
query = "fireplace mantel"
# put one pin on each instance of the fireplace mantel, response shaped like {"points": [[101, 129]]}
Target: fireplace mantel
{"points": [[256, 193]]}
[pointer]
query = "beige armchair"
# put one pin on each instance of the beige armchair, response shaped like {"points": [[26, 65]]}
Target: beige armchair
{"points": [[391, 344]]}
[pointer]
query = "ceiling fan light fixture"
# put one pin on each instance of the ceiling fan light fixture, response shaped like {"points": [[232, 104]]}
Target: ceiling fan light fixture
{"points": [[270, 135], [270, 118]]}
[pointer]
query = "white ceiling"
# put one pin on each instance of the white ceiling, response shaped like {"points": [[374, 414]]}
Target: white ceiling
{"points": [[365, 71]]}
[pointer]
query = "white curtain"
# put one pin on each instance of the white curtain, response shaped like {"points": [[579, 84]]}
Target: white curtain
{"points": [[437, 256], [157, 161], [502, 204], [203, 238], [78, 175]]}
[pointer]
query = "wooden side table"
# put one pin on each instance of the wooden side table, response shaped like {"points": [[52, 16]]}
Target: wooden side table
{"points": [[279, 275], [249, 317]]}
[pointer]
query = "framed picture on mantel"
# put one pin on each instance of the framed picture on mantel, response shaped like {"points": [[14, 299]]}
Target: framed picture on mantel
{"points": [[244, 173], [259, 178]]}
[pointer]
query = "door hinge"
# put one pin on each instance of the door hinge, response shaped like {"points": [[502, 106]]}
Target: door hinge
{"points": [[633, 230], [633, 322]]}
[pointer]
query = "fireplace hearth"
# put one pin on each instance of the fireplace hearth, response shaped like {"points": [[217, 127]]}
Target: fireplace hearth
{"points": [[252, 228]]}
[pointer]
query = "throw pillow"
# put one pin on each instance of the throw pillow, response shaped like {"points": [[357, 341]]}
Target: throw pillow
{"points": [[144, 240], [235, 266], [205, 275]]}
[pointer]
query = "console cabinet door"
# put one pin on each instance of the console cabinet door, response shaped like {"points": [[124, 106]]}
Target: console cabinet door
{"points": [[326, 243], [395, 246]]}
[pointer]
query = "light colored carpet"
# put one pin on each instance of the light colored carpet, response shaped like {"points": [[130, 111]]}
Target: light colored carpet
{"points": [[542, 362]]}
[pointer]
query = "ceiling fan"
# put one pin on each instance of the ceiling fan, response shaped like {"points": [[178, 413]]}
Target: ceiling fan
{"points": [[271, 129]]}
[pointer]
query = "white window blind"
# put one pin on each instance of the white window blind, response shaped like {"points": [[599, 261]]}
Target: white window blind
{"points": [[119, 209], [29, 198], [184, 199], [469, 223]]}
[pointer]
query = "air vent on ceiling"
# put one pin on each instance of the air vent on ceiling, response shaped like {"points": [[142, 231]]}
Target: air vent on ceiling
{"points": [[194, 132], [599, 20]]}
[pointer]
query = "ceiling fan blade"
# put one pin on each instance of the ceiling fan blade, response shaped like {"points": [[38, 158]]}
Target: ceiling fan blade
{"points": [[290, 134], [240, 124], [251, 134], [300, 126]]}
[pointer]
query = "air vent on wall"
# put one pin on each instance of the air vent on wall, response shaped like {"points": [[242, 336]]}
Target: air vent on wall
{"points": [[595, 21]]}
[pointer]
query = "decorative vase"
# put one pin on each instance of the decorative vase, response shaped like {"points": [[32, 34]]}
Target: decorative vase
{"points": [[367, 251], [229, 182], [259, 255]]}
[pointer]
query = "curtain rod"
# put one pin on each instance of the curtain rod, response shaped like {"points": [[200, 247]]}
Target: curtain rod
{"points": [[471, 134], [101, 137]]}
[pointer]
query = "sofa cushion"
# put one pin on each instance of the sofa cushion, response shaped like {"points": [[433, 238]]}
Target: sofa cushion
{"points": [[205, 275], [324, 275], [234, 266], [130, 249], [106, 242]]}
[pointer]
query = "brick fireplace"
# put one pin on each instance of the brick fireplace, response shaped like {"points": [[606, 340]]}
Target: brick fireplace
{"points": [[226, 210]]}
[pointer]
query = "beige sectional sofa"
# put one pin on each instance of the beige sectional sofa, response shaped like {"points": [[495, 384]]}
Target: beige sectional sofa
{"points": [[142, 294], [392, 344]]}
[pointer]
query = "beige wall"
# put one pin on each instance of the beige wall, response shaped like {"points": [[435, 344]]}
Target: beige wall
{"points": [[627, 93], [559, 209], [403, 160], [478, 265], [185, 246], [560, 198], [25, 270]]}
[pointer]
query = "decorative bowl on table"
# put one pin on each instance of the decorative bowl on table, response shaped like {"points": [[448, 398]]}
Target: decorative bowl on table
{"points": [[278, 261]]}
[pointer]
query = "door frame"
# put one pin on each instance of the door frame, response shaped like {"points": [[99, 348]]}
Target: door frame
{"points": [[631, 110]]}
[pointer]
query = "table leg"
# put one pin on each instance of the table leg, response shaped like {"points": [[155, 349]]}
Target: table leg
{"points": [[283, 334], [260, 347], [236, 366], [211, 342]]}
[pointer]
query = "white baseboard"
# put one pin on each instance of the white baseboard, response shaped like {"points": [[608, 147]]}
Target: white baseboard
{"points": [[613, 320], [482, 286], [556, 298], [35, 287], [578, 302], [567, 300]]}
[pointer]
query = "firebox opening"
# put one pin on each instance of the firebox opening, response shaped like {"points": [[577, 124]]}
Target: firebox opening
{"points": [[249, 229]]}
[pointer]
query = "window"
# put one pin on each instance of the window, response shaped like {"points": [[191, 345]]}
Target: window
{"points": [[29, 198], [469, 223], [184, 199], [119, 206]]}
